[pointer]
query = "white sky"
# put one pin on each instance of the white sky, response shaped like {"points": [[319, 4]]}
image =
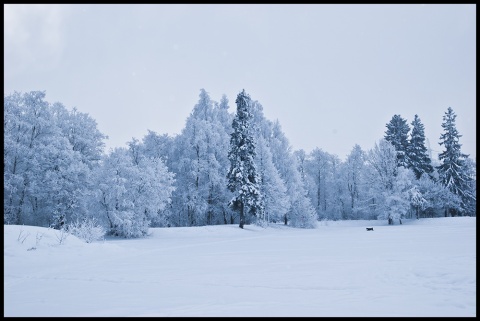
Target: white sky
{"points": [[423, 268], [333, 75]]}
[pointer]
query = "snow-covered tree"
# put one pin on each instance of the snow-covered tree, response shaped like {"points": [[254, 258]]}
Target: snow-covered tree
{"points": [[132, 192], [397, 135], [470, 203], [417, 200], [338, 193], [272, 187], [158, 146], [243, 179], [383, 160], [389, 184], [301, 157], [297, 210], [82, 133], [320, 170], [453, 172], [223, 124], [17, 157], [221, 112], [418, 159], [354, 167], [46, 177], [193, 179], [300, 212], [200, 161], [61, 189], [397, 200], [429, 198]]}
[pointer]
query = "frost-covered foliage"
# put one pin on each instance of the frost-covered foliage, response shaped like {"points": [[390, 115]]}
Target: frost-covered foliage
{"points": [[326, 184], [49, 154], [272, 187], [417, 200], [300, 211], [275, 156], [132, 191], [222, 169], [200, 163], [354, 169], [470, 203], [338, 197], [82, 133], [160, 148], [429, 198], [243, 178], [453, 170], [87, 229], [397, 201], [320, 169], [382, 159], [198, 158], [389, 184]]}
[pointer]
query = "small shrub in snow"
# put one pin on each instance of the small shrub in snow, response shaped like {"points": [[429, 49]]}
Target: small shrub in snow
{"points": [[62, 235], [37, 241], [88, 230], [22, 237]]}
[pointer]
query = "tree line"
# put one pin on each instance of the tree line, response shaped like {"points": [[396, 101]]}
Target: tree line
{"points": [[223, 168]]}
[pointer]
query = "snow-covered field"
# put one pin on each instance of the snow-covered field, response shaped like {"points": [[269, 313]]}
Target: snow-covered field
{"points": [[424, 268]]}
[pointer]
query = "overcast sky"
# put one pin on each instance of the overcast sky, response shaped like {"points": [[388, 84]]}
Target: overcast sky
{"points": [[333, 75]]}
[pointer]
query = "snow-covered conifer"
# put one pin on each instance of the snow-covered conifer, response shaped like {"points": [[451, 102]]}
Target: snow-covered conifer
{"points": [[243, 179], [397, 135], [453, 172], [418, 159]]}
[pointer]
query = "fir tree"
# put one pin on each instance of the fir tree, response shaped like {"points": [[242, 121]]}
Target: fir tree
{"points": [[453, 171], [418, 159], [397, 135], [242, 176]]}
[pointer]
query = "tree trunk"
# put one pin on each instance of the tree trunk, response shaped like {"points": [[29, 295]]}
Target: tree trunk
{"points": [[225, 217], [242, 216]]}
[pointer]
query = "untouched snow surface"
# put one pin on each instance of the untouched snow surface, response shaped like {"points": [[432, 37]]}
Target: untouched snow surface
{"points": [[424, 268]]}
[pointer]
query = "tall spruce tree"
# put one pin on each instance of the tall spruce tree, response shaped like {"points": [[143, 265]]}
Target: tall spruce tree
{"points": [[397, 135], [242, 176], [418, 159], [453, 170]]}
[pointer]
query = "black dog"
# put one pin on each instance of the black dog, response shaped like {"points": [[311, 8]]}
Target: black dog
{"points": [[369, 228]]}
